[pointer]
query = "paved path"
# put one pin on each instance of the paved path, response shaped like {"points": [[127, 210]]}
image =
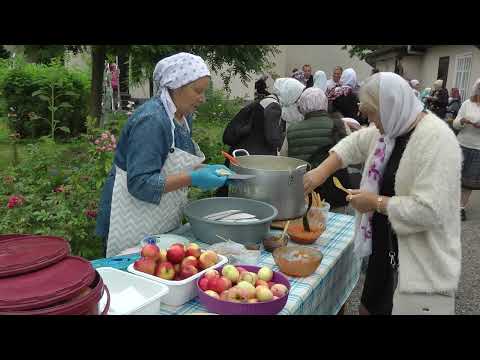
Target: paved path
{"points": [[468, 294]]}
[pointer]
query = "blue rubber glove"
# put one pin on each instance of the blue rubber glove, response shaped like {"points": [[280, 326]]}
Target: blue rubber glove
{"points": [[223, 167], [206, 178]]}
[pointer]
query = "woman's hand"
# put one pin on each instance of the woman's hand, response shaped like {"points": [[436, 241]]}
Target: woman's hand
{"points": [[319, 175], [312, 180], [362, 201]]}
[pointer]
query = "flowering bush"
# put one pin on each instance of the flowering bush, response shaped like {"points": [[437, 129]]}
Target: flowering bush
{"points": [[57, 192]]}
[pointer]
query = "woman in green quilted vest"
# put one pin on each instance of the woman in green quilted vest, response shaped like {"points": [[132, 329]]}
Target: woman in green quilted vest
{"points": [[312, 138]]}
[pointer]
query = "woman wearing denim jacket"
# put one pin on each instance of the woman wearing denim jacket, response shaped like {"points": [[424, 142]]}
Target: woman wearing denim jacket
{"points": [[156, 159]]}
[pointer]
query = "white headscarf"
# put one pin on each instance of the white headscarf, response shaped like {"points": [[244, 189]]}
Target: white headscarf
{"points": [[399, 108], [348, 84], [312, 99], [414, 83], [288, 91], [174, 72], [349, 78], [437, 84], [320, 80]]}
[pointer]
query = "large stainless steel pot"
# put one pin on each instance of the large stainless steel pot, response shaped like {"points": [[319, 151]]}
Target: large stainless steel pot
{"points": [[278, 181]]}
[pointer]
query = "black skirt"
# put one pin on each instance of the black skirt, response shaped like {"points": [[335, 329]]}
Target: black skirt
{"points": [[471, 169]]}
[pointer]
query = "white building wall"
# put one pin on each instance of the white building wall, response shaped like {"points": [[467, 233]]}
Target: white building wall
{"points": [[320, 57], [412, 67], [430, 63], [325, 57]]}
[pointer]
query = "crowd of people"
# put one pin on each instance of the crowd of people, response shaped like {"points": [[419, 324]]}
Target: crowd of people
{"points": [[407, 202]]}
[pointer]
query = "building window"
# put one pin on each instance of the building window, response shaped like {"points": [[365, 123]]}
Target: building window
{"points": [[462, 74]]}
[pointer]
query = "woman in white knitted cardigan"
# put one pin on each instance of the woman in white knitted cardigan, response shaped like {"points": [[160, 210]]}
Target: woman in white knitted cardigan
{"points": [[468, 124], [409, 200]]}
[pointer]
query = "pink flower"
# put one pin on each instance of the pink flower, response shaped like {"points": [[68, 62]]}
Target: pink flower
{"points": [[15, 200], [91, 214], [104, 136], [112, 137], [97, 141], [59, 189]]}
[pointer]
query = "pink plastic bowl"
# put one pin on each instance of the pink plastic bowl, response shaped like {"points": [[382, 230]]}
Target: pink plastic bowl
{"points": [[230, 308]]}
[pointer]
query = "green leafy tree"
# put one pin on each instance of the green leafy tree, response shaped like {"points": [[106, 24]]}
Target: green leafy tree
{"points": [[361, 51], [232, 60]]}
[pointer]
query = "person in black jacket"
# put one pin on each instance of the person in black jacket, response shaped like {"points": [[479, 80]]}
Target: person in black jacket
{"points": [[343, 98], [261, 88], [437, 102], [257, 128]]}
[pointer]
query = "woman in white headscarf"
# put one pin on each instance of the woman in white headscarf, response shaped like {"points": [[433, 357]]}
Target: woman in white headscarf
{"points": [[467, 123], [408, 202], [312, 139], [343, 98], [288, 91], [320, 80], [156, 159]]}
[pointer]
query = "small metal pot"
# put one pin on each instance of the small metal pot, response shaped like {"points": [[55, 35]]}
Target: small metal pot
{"points": [[278, 181]]}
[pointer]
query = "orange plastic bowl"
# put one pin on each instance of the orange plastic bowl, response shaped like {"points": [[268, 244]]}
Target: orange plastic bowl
{"points": [[300, 236]]}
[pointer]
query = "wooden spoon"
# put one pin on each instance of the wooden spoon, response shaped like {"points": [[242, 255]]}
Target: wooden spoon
{"points": [[306, 225], [339, 185], [284, 231]]}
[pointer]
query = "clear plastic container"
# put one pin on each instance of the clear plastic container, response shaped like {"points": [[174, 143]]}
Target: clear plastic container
{"points": [[131, 294]]}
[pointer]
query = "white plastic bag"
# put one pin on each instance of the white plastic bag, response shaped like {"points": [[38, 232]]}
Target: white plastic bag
{"points": [[236, 253]]}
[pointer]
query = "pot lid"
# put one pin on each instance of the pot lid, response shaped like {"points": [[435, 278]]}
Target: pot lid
{"points": [[20, 254], [50, 285]]}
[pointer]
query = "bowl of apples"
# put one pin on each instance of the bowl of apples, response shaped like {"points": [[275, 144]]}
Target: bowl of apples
{"points": [[243, 290]]}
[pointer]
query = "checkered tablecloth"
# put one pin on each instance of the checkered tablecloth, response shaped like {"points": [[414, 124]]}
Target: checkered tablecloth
{"points": [[322, 293]]}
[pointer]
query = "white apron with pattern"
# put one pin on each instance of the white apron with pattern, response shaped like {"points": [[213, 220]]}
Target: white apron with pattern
{"points": [[131, 219]]}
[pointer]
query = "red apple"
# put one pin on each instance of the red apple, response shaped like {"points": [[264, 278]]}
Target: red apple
{"points": [[270, 284], [224, 295], [252, 301], [261, 283], [265, 274], [145, 265], [150, 251], [249, 288], [187, 271], [212, 273], [193, 250], [263, 293], [248, 277], [178, 277], [176, 254], [212, 294], [231, 273], [208, 259], [163, 255], [279, 290], [275, 298], [236, 294], [219, 285], [177, 268], [165, 271], [203, 284], [190, 260]]}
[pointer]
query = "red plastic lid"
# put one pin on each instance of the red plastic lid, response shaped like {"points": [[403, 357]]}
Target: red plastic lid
{"points": [[51, 285], [21, 254]]}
